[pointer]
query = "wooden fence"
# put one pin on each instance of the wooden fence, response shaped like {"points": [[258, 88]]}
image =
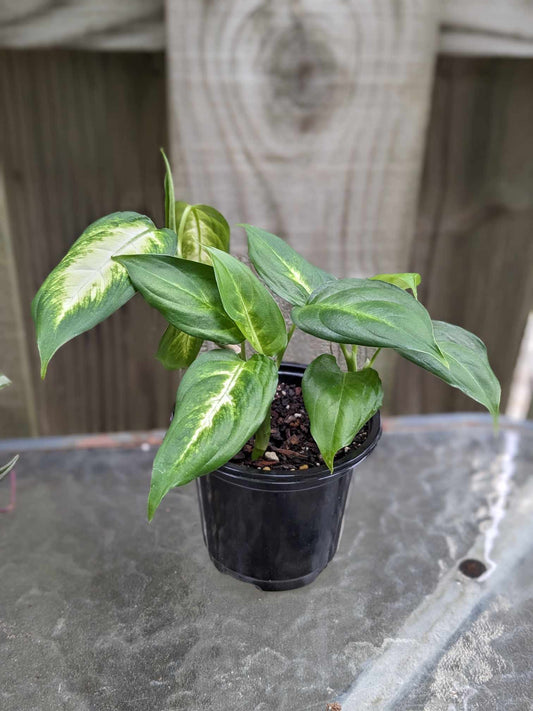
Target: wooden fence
{"points": [[307, 118]]}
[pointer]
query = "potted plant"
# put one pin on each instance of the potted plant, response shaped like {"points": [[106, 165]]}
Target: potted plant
{"points": [[271, 445]]}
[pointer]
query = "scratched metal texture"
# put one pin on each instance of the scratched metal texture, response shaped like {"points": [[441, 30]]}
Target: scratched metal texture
{"points": [[100, 611]]}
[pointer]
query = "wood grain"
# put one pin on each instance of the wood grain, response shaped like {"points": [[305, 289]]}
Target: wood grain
{"points": [[474, 242], [487, 27], [306, 120], [88, 24], [17, 406], [471, 27], [81, 139]]}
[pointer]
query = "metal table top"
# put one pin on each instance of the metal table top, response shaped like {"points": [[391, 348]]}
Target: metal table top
{"points": [[100, 610]]}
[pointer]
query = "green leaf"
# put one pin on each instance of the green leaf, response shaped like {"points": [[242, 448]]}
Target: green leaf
{"points": [[407, 280], [284, 271], [185, 292], [177, 349], [170, 198], [221, 402], [87, 285], [200, 227], [4, 381], [338, 403], [469, 369], [249, 304], [368, 313], [4, 470]]}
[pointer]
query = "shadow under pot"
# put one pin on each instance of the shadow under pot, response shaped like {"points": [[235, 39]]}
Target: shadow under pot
{"points": [[278, 530]]}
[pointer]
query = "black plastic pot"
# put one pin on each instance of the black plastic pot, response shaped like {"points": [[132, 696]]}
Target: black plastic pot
{"points": [[277, 530]]}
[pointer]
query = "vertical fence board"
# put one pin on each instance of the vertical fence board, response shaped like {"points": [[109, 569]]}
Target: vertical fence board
{"points": [[305, 118], [474, 243], [81, 139], [18, 414]]}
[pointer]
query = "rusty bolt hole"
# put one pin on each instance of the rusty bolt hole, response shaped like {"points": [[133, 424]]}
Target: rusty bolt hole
{"points": [[472, 568]]}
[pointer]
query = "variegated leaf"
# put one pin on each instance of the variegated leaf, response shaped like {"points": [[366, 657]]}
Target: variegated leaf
{"points": [[185, 292], [4, 381], [221, 402], [87, 286], [338, 403], [249, 304], [283, 270], [177, 349], [200, 227], [406, 280], [469, 369]]}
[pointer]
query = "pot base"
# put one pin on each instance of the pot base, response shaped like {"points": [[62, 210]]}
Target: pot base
{"points": [[269, 585]]}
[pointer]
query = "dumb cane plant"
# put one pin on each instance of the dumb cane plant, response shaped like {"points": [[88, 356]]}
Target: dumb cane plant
{"points": [[185, 271]]}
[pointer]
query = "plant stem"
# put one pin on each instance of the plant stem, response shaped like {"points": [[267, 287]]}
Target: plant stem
{"points": [[262, 436], [371, 361], [350, 357], [243, 350]]}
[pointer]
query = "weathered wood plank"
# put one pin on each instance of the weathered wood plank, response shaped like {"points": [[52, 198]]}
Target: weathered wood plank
{"points": [[306, 120], [520, 401], [18, 416], [487, 27], [84, 24], [474, 244], [468, 27], [81, 139]]}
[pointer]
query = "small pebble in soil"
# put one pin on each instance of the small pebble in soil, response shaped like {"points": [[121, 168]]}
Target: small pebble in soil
{"points": [[291, 444]]}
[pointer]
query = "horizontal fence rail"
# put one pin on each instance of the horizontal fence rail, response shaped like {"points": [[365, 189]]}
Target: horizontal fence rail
{"points": [[467, 27]]}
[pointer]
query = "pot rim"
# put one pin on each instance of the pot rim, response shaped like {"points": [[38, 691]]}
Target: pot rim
{"points": [[240, 473], [243, 474]]}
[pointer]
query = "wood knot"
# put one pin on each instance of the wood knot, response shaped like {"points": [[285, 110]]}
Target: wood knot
{"points": [[303, 75]]}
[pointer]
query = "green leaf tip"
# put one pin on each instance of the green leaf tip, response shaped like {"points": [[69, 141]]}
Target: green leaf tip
{"points": [[170, 197], [44, 368], [155, 496]]}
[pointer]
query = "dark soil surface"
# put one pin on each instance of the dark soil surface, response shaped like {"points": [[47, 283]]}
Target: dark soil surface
{"points": [[291, 445]]}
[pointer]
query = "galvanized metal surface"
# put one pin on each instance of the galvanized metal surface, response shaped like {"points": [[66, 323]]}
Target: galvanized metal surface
{"points": [[99, 610]]}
